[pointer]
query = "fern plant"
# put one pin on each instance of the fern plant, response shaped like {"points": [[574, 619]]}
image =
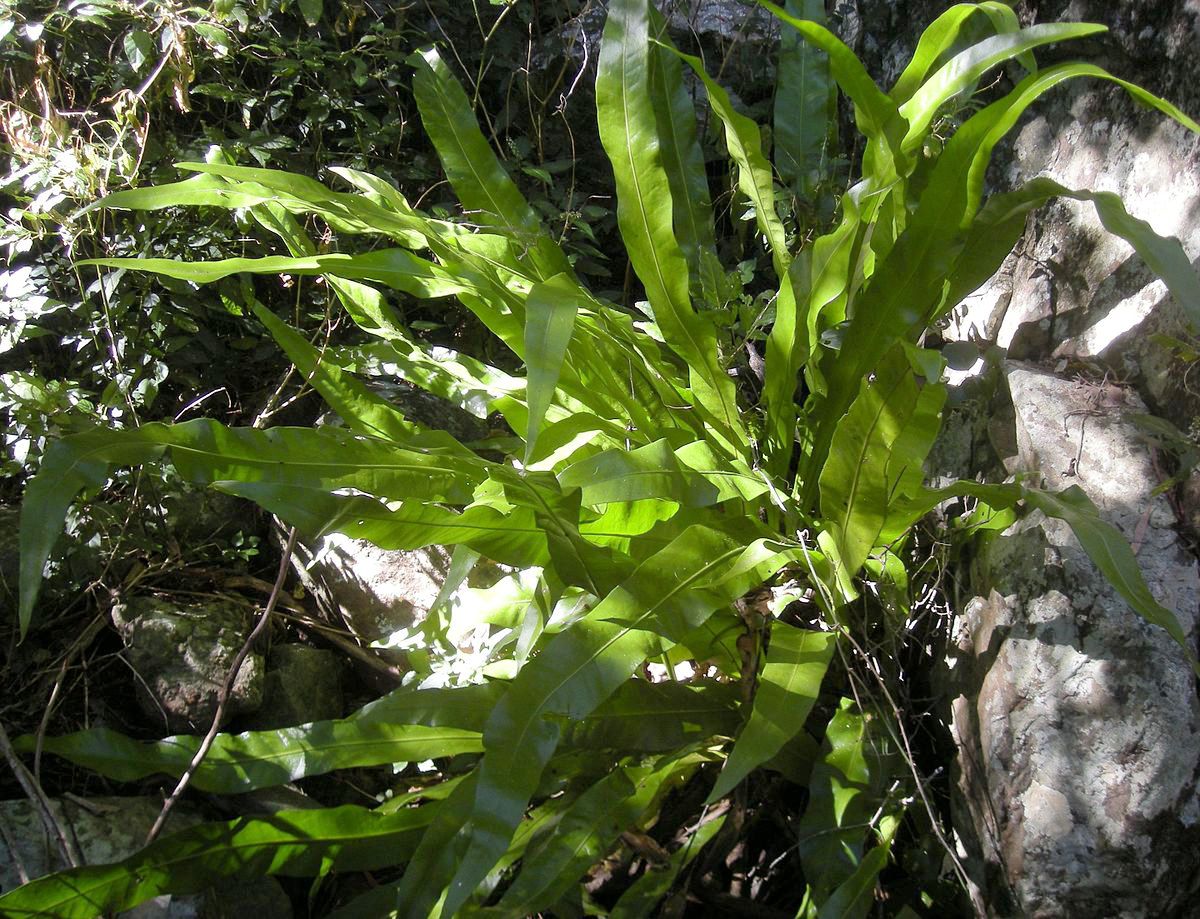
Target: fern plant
{"points": [[658, 511]]}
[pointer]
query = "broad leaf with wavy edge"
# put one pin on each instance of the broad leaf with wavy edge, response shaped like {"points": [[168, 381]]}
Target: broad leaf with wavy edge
{"points": [[629, 133], [299, 843]]}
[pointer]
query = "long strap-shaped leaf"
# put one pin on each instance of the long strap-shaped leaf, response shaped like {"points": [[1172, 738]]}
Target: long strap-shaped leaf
{"points": [[629, 133], [239, 763], [1002, 220], [683, 162], [940, 36], [393, 267], [480, 269], [788, 686], [364, 303], [549, 321], [480, 182], [297, 843], [362, 410], [945, 241], [404, 726], [874, 113], [956, 186], [513, 538], [961, 73], [744, 144], [699, 572], [204, 451], [805, 105]]}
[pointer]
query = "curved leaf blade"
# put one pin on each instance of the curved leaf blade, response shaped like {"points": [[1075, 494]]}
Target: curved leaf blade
{"points": [[629, 134], [238, 763], [961, 73], [788, 686], [395, 267], [744, 143], [289, 843], [204, 452], [480, 182], [550, 312]]}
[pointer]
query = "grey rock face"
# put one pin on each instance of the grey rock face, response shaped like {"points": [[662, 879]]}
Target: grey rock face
{"points": [[181, 653], [1071, 290], [110, 829], [1077, 722], [303, 684], [375, 591]]}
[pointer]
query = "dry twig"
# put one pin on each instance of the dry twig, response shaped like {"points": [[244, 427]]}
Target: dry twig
{"points": [[41, 803]]}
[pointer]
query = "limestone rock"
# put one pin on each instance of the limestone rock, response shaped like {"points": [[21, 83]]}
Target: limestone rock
{"points": [[303, 684], [375, 591], [181, 653], [1078, 723], [110, 829], [1071, 290]]}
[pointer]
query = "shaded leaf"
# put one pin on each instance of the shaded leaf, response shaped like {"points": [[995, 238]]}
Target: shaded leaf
{"points": [[289, 843], [805, 105], [259, 759], [549, 321], [788, 687]]}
